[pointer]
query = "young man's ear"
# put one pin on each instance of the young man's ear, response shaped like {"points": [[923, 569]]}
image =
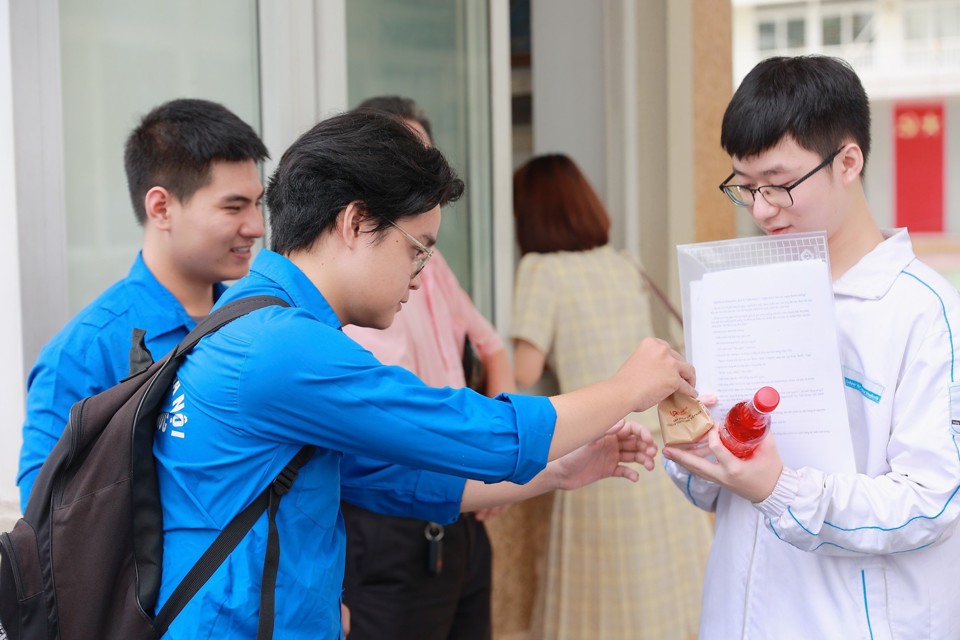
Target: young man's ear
{"points": [[158, 203], [851, 160], [353, 223]]}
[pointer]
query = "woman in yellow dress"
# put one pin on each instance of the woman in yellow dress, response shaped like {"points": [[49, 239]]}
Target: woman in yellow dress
{"points": [[623, 561]]}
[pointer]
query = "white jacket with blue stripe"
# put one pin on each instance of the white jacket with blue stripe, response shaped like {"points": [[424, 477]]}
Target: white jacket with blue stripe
{"points": [[875, 554]]}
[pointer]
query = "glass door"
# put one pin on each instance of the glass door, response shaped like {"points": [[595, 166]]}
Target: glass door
{"points": [[120, 59], [437, 52]]}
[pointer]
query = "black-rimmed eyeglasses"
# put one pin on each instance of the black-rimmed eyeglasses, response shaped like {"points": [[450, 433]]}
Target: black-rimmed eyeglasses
{"points": [[778, 195]]}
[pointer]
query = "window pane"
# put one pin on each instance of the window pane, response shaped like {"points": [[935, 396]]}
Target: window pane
{"points": [[796, 34], [862, 27], [916, 24], [120, 59], [831, 31], [949, 21], [766, 36]]}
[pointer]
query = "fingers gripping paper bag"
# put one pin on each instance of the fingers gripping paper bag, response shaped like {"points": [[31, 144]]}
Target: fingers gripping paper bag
{"points": [[683, 420]]}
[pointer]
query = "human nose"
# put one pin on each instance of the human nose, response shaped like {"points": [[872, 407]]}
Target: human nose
{"points": [[253, 225], [415, 282], [762, 209]]}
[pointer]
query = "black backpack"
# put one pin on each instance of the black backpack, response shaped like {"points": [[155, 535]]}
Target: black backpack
{"points": [[84, 561]]}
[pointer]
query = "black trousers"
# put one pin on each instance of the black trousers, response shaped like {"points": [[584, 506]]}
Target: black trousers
{"points": [[392, 595]]}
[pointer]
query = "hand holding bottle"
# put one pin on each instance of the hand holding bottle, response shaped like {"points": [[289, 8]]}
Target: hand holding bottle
{"points": [[753, 479]]}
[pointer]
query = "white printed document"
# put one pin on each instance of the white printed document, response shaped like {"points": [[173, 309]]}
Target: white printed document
{"points": [[770, 323]]}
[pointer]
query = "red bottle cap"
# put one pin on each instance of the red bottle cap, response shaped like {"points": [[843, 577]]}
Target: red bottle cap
{"points": [[766, 399]]}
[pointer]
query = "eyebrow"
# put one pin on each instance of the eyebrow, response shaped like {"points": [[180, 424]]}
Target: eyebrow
{"points": [[238, 198], [772, 171]]}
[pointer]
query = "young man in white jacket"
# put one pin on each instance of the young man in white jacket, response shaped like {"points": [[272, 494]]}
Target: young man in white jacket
{"points": [[800, 553]]}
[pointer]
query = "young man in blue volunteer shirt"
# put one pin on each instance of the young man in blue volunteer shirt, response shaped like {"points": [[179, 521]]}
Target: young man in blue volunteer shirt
{"points": [[195, 188], [354, 210], [388, 585], [802, 553]]}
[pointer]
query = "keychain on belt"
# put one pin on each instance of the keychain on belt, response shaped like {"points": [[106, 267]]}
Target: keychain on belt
{"points": [[434, 534]]}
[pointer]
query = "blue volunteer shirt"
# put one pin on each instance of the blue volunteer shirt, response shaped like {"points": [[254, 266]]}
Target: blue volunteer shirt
{"points": [[249, 396], [91, 354]]}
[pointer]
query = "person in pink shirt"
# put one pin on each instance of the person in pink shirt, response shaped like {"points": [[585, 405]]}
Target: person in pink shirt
{"points": [[407, 578], [427, 337]]}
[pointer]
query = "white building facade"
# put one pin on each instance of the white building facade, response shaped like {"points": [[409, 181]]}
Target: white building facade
{"points": [[907, 53]]}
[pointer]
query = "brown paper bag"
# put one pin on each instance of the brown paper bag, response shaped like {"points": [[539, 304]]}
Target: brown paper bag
{"points": [[683, 420]]}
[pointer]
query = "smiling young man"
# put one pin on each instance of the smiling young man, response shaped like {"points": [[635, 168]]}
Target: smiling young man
{"points": [[195, 188], [355, 207], [802, 553]]}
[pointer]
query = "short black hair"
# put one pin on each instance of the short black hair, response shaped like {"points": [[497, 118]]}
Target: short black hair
{"points": [[363, 156], [818, 100], [404, 108], [175, 144]]}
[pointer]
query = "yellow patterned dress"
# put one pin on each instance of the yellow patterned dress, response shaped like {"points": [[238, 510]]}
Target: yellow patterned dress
{"points": [[624, 561]]}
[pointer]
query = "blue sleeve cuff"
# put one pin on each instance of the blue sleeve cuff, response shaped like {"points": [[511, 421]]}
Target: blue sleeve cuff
{"points": [[536, 419]]}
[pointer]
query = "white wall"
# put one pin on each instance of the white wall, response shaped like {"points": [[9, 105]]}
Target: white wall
{"points": [[568, 90], [34, 40], [11, 376], [302, 69]]}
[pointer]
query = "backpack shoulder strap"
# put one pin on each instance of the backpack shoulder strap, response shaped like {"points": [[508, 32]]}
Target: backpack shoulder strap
{"points": [[145, 493], [241, 524], [223, 316], [228, 540], [271, 560]]}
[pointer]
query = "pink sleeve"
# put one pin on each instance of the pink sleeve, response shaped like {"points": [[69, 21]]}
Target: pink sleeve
{"points": [[481, 332]]}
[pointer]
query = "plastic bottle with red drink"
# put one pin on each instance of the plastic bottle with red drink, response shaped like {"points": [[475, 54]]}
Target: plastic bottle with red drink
{"points": [[747, 422]]}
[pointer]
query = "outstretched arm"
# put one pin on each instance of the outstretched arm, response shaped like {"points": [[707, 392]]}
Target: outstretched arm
{"points": [[752, 479], [651, 373], [626, 441]]}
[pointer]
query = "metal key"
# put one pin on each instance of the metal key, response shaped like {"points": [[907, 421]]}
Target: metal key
{"points": [[434, 535]]}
